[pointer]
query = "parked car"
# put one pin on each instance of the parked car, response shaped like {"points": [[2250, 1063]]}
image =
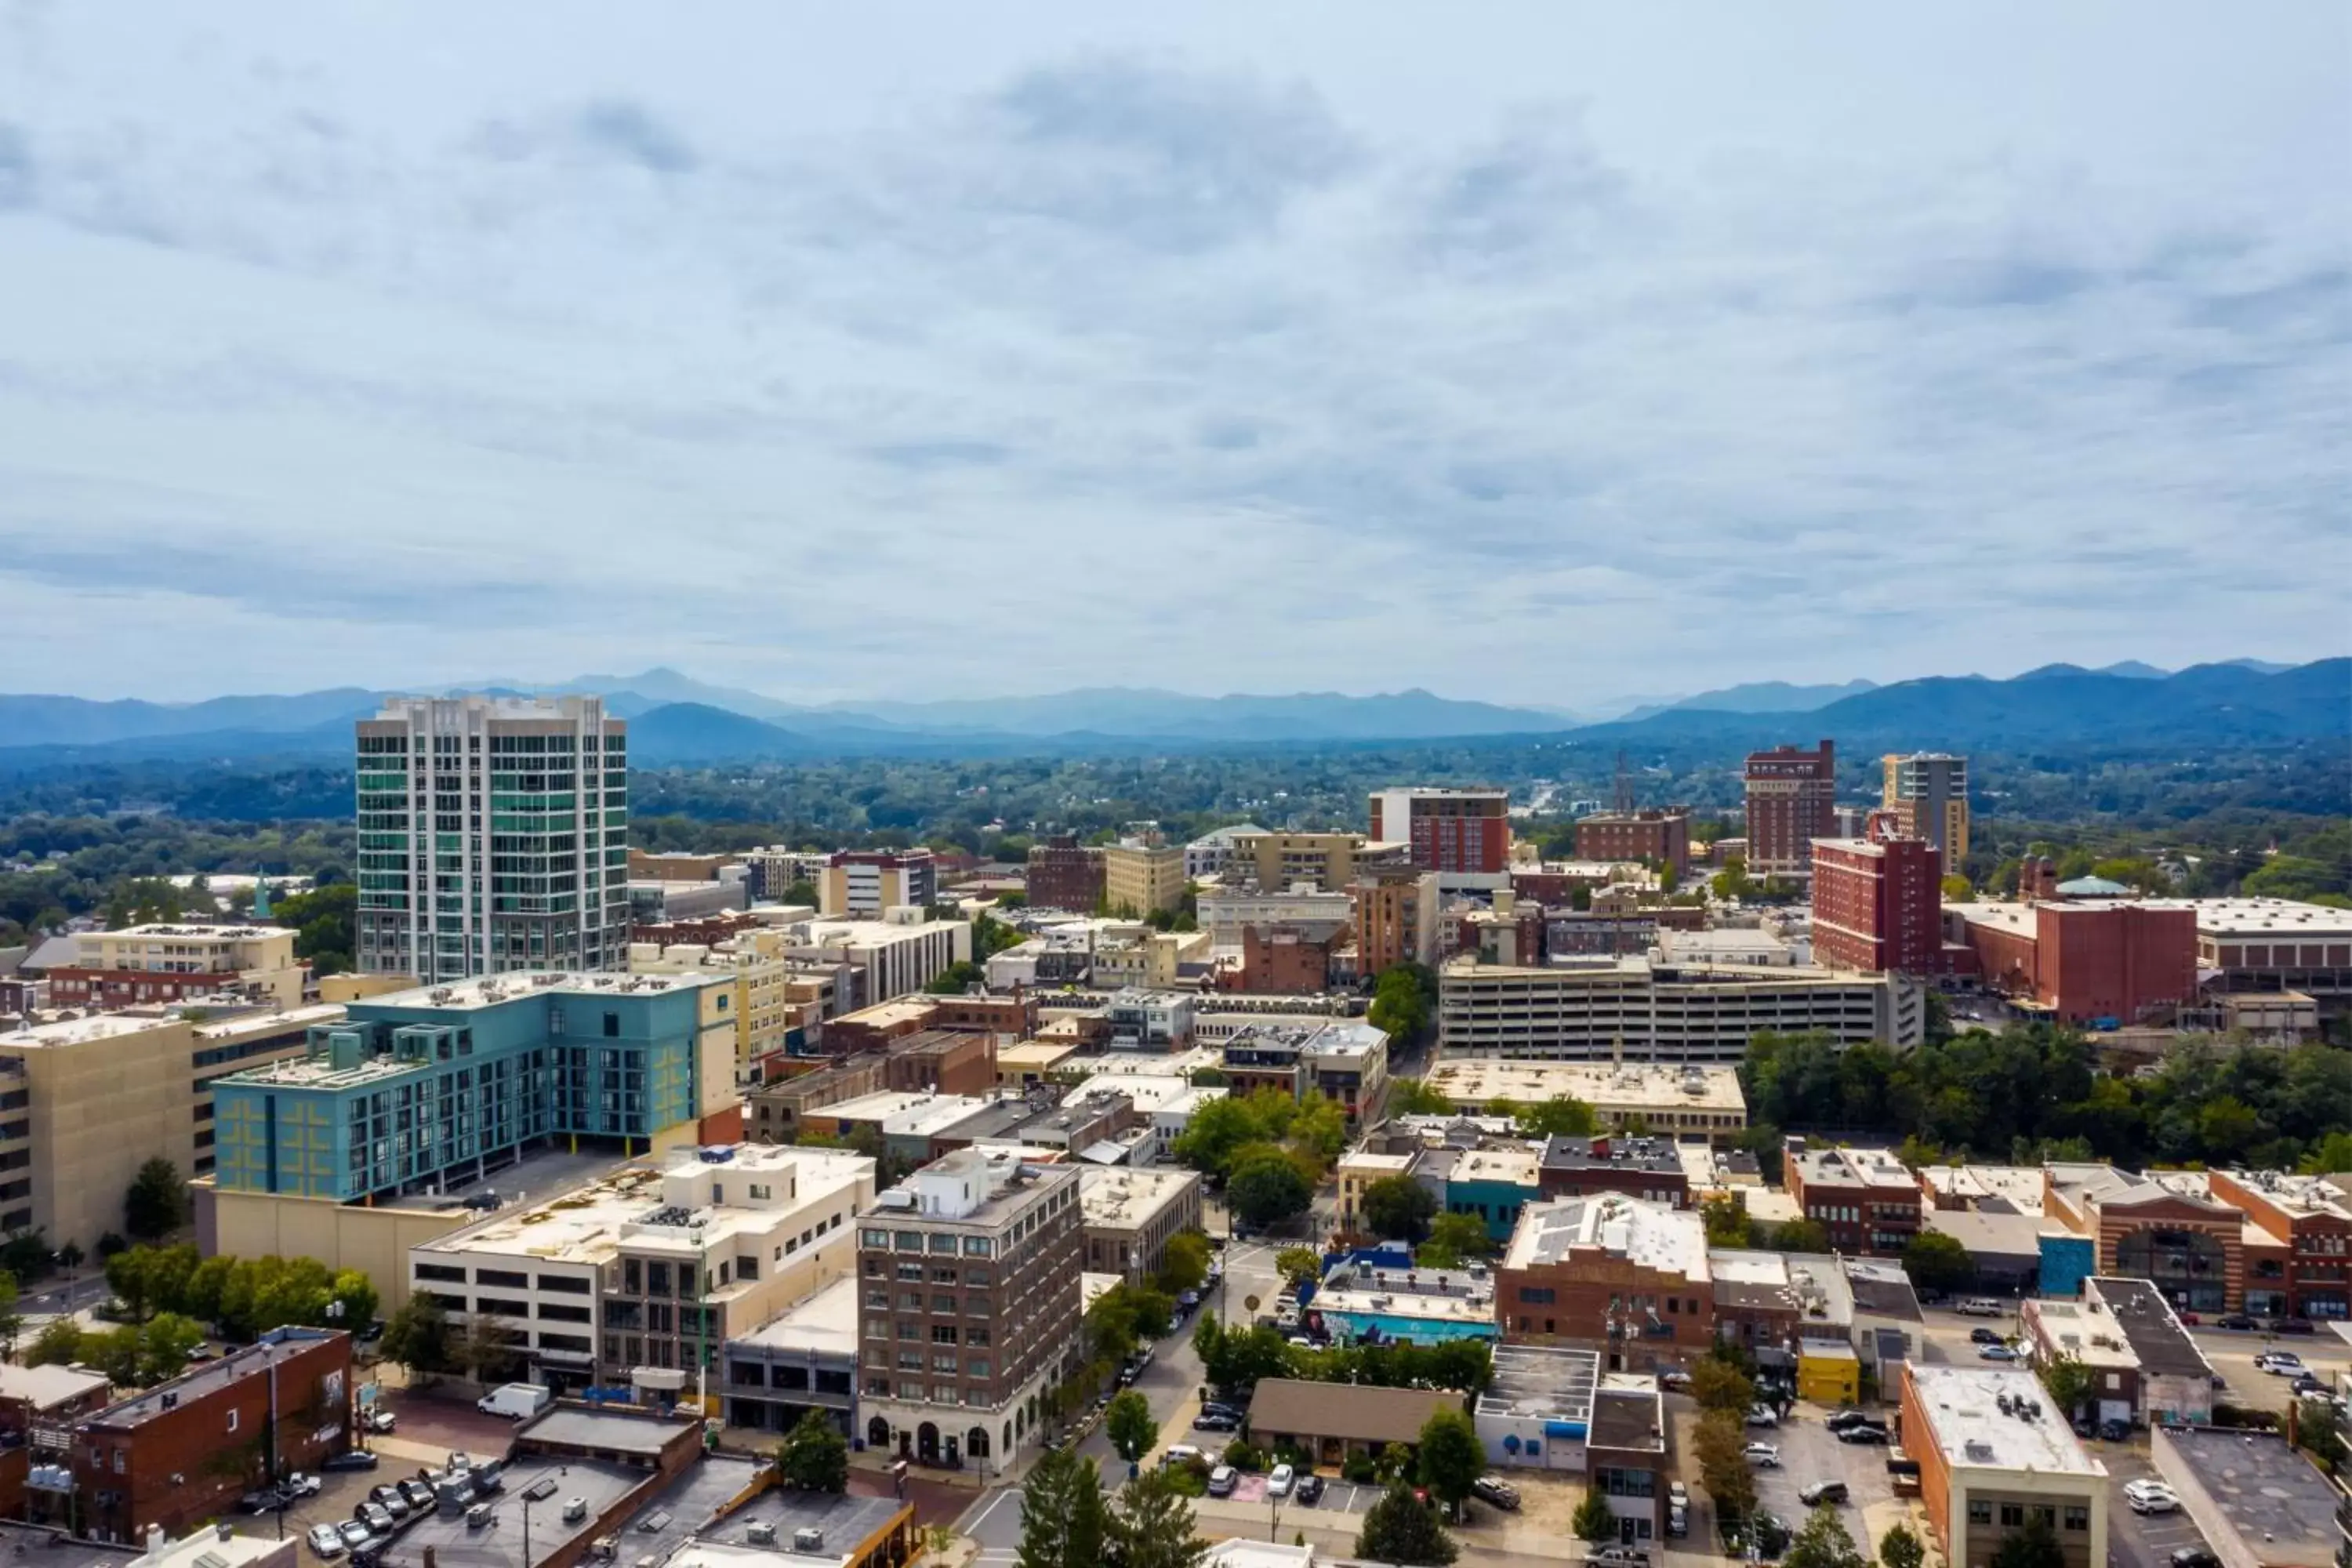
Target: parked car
{"points": [[2280, 1363], [1495, 1489], [1309, 1490], [2194, 1557], [420, 1496], [1221, 1481], [1995, 1352], [2306, 1382], [1762, 1416], [379, 1419], [300, 1484], [1764, 1455], [1279, 1483], [390, 1498], [2293, 1326], [2237, 1321], [1678, 1495], [355, 1533], [1178, 1453], [515, 1401], [1208, 1421], [375, 1516], [1984, 1336], [1863, 1435], [2150, 1497], [326, 1541], [1619, 1555], [357, 1459], [1674, 1381], [2114, 1431], [1847, 1420], [1979, 1306], [1821, 1492]]}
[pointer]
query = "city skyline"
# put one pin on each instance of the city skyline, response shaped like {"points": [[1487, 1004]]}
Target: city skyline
{"points": [[1332, 353]]}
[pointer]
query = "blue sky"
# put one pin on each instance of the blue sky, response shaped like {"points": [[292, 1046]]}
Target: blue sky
{"points": [[1538, 353]]}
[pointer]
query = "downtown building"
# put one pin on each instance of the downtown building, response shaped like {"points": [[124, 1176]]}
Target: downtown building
{"points": [[1878, 903], [1928, 793], [969, 1279], [1791, 801], [493, 836], [1446, 829]]}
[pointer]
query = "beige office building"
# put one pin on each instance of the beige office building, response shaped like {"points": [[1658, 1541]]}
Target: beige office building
{"points": [[755, 979], [1130, 1216], [1994, 1453], [84, 1102], [168, 962], [1143, 877], [1278, 862]]}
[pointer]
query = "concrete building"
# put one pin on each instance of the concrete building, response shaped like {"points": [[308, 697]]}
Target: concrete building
{"points": [[1063, 874], [804, 1359], [1646, 1168], [148, 965], [1341, 1061], [1928, 793], [1130, 1216], [659, 908], [754, 970], [1447, 829], [1696, 1104], [639, 1277], [1139, 878], [426, 1088], [1865, 1198], [183, 1451], [1626, 1278], [2272, 949], [1791, 801], [1650, 838], [1158, 1021], [493, 836], [1212, 854], [1326, 862], [2129, 961], [1654, 1012], [2255, 1497], [1992, 1453], [1878, 905], [1227, 913], [868, 884], [887, 958], [84, 1102], [969, 1313], [2146, 1370], [1552, 1408]]}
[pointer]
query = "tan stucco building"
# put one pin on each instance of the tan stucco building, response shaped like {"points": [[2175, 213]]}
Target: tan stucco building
{"points": [[1143, 877]]}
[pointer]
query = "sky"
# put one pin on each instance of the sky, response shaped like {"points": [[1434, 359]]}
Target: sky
{"points": [[1541, 352]]}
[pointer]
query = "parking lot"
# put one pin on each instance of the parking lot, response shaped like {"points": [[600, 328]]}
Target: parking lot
{"points": [[2139, 1540], [1811, 1452]]}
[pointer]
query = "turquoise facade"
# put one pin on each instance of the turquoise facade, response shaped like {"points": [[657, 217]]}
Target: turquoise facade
{"points": [[1496, 1203], [404, 1095], [2066, 1261]]}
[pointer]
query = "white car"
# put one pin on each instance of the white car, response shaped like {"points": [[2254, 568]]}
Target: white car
{"points": [[2279, 1364], [326, 1541], [2150, 1497], [1762, 1455], [1277, 1485], [1761, 1416]]}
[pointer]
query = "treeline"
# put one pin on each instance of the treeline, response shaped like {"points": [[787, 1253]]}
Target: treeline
{"points": [[2030, 1093], [243, 1297], [54, 867]]}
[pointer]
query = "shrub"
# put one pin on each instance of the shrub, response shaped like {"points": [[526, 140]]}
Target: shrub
{"points": [[1360, 1469], [1240, 1456]]}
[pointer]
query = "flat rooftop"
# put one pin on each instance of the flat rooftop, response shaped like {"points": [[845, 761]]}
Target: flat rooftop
{"points": [[1670, 1240], [2138, 1311], [1041, 1055], [1508, 1167], [2019, 1186], [1967, 1425], [1151, 1091], [1629, 1414], [880, 1107], [1660, 1156], [930, 1115], [825, 1321], [1875, 1168], [254, 1361], [2294, 1195], [1474, 1082], [2282, 1509], [1123, 1198], [623, 1432], [846, 1521], [82, 1030], [1555, 1384], [491, 990]]}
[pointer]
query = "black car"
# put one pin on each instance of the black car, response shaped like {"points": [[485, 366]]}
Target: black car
{"points": [[1309, 1490], [1846, 1419], [2194, 1557], [1984, 1336], [1863, 1435], [2237, 1321], [1207, 1422], [2293, 1326], [357, 1459], [2114, 1431], [1821, 1492]]}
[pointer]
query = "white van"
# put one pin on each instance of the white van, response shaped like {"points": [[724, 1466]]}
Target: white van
{"points": [[515, 1401], [1979, 1306]]}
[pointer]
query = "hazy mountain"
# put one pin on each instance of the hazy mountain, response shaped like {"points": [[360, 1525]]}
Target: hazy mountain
{"points": [[698, 732], [1762, 697], [80, 722], [1145, 713]]}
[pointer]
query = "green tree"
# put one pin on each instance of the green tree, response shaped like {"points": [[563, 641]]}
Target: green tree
{"points": [[1131, 1426], [1901, 1548], [1412, 1097], [2069, 1383], [157, 1203], [127, 1276], [1184, 1262], [1462, 1237], [1593, 1522], [1727, 1224], [355, 1293], [1824, 1543], [1398, 1208], [1319, 1130], [12, 1321], [165, 1343], [417, 1337], [1267, 1188], [1216, 1133], [1403, 997], [1299, 1264], [957, 978], [1801, 1235], [1151, 1525], [57, 1344], [1064, 1523], [814, 1456], [1936, 1261], [1719, 1443], [2317, 1434], [323, 920], [1732, 881], [1958, 890], [1716, 1384], [1400, 1528], [2033, 1546], [1561, 1116], [1451, 1455]]}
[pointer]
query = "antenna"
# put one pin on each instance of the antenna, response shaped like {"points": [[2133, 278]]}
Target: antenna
{"points": [[1624, 796]]}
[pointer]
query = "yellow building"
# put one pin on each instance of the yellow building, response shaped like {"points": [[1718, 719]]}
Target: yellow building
{"points": [[1278, 862], [1143, 877], [1928, 793], [84, 1102], [754, 997], [1828, 1372]]}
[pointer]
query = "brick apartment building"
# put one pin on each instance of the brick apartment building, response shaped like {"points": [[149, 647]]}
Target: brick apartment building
{"points": [[1064, 874], [1791, 801], [1878, 904], [1864, 1198], [1008, 1017], [2298, 1243], [1449, 829], [944, 1061], [775, 1111], [1658, 837], [1283, 960], [1395, 918], [1645, 1168], [969, 1302], [183, 1451], [1627, 1278]]}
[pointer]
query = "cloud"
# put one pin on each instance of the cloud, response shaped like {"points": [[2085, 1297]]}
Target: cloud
{"points": [[1242, 374]]}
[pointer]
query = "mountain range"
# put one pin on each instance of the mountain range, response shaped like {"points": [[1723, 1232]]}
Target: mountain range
{"points": [[676, 719]]}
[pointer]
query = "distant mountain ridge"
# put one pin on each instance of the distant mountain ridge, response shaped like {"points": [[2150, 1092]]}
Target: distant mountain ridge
{"points": [[676, 718]]}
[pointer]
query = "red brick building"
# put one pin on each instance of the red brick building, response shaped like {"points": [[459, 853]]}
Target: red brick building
{"points": [[1659, 837], [2303, 1267], [184, 1450], [1064, 874], [1283, 960], [1878, 905], [943, 1061], [1864, 1198], [2112, 959], [1791, 801], [1449, 829], [1013, 1016]]}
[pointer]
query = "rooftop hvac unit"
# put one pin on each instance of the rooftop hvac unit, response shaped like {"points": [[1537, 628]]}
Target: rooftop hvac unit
{"points": [[808, 1538]]}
